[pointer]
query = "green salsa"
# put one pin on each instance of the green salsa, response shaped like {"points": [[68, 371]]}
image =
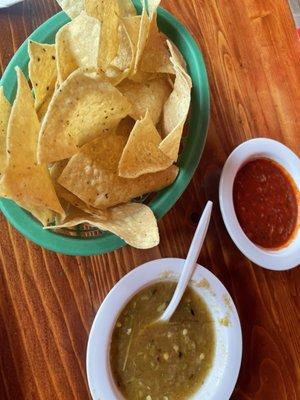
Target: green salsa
{"points": [[162, 361]]}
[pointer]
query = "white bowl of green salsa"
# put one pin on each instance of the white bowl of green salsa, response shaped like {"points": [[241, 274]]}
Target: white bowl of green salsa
{"points": [[197, 355]]}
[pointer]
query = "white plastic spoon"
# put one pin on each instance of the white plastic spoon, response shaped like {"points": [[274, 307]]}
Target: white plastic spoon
{"points": [[190, 262]]}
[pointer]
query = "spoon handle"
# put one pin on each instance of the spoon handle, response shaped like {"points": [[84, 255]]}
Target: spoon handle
{"points": [[190, 262]]}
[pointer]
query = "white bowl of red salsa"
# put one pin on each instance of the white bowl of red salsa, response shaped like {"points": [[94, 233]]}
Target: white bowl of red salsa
{"points": [[260, 202]]}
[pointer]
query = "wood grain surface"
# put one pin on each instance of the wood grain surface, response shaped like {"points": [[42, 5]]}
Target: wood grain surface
{"points": [[48, 301]]}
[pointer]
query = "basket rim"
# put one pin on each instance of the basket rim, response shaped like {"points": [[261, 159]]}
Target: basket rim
{"points": [[189, 160]]}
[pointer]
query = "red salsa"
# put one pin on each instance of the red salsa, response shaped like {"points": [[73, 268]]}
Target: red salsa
{"points": [[266, 203]]}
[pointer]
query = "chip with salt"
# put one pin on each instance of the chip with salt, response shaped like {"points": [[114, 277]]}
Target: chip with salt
{"points": [[77, 45], [125, 55], [107, 12], [148, 35], [156, 55], [178, 60], [84, 106], [41, 112], [69, 198], [5, 109], [141, 154], [142, 37], [137, 37], [122, 64], [177, 105], [176, 111], [102, 186], [133, 222], [150, 95], [171, 144], [128, 34], [42, 71], [132, 25], [127, 8], [23, 180], [72, 7]]}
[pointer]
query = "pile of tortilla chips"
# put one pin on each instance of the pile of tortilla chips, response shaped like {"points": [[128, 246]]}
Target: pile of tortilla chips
{"points": [[104, 126]]}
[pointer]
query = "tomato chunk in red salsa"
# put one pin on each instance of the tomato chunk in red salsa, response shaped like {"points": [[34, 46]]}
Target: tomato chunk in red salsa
{"points": [[266, 204]]}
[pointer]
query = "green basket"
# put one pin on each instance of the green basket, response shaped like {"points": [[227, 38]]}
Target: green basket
{"points": [[83, 241]]}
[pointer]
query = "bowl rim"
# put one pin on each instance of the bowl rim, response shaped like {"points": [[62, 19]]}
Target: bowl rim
{"points": [[278, 259], [166, 198], [97, 356]]}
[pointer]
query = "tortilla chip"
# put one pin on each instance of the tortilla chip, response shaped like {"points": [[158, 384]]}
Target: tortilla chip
{"points": [[83, 108], [141, 154], [102, 187], [142, 37], [126, 8], [42, 71], [132, 25], [55, 171], [178, 60], [5, 109], [68, 197], [77, 45], [44, 215], [133, 222], [41, 112], [171, 144], [71, 7], [25, 182], [107, 12], [122, 64], [125, 54], [152, 7], [156, 55], [176, 111], [177, 105], [147, 23], [112, 74], [150, 96], [142, 77]]}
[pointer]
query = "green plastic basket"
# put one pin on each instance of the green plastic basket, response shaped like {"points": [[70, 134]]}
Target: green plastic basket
{"points": [[89, 242]]}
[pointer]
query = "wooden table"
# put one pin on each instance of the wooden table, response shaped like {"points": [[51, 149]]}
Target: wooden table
{"points": [[48, 301]]}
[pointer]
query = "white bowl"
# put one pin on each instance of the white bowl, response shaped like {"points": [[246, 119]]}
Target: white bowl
{"points": [[286, 257], [221, 380]]}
